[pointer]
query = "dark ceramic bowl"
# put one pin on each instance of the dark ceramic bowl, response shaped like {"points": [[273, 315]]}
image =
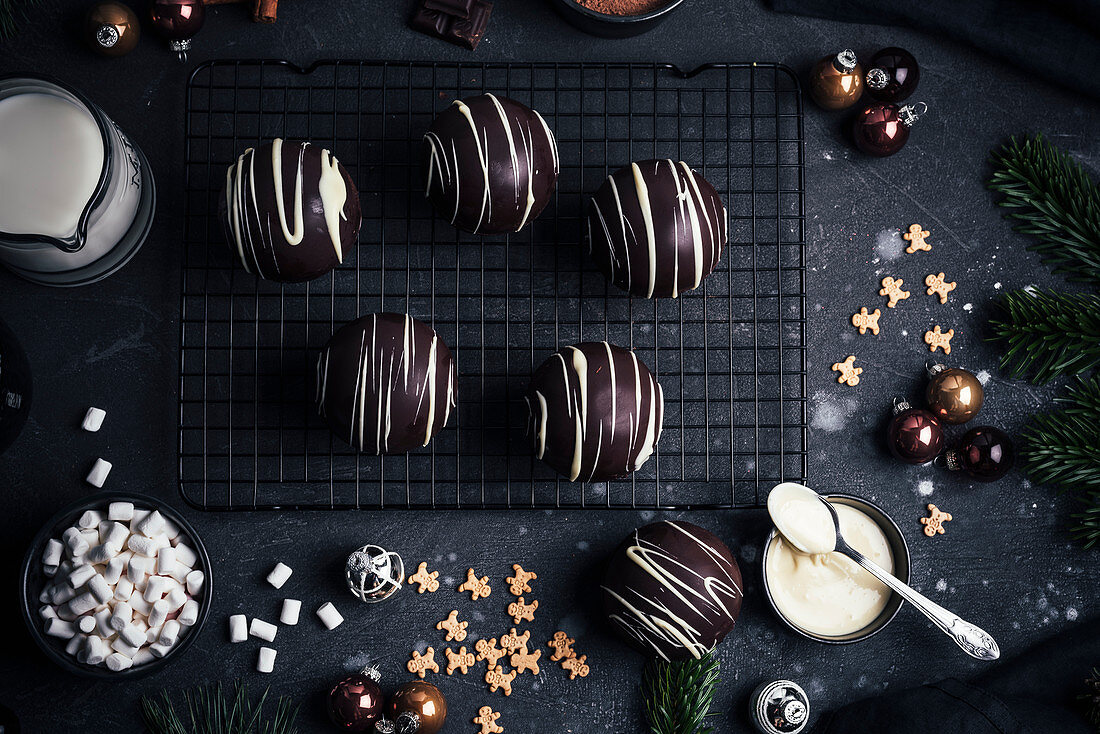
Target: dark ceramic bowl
{"points": [[898, 548], [32, 581], [613, 26]]}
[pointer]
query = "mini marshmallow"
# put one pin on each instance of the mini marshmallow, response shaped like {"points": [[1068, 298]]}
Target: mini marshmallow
{"points": [[238, 628], [124, 589], [170, 632], [86, 624], [95, 650], [152, 524], [83, 603], [138, 603], [98, 475], [121, 615], [120, 645], [93, 419], [116, 661], [80, 576], [185, 555], [132, 635], [140, 624], [279, 575], [194, 581], [166, 560], [112, 574], [61, 593], [51, 556], [120, 511], [103, 622], [153, 634], [101, 554], [75, 643], [142, 545], [292, 608], [47, 611], [91, 537], [179, 572], [189, 613], [176, 599], [263, 630], [67, 614], [155, 589], [49, 571], [265, 662], [100, 589], [171, 529], [159, 613], [117, 535], [135, 520], [137, 568], [143, 656], [60, 628], [159, 649], [329, 616], [75, 542], [90, 519]]}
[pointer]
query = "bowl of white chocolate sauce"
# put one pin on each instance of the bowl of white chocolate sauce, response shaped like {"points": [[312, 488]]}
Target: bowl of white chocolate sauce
{"points": [[827, 597]]}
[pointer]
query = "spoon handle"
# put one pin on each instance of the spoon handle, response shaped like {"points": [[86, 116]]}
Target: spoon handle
{"points": [[974, 641]]}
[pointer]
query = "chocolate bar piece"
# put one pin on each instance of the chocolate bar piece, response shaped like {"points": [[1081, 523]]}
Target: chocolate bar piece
{"points": [[457, 8], [465, 32]]}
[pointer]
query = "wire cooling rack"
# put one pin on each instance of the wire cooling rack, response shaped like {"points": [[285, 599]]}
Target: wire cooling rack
{"points": [[730, 356]]}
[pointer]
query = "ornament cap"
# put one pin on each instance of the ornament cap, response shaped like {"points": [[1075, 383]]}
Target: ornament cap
{"points": [[384, 726], [372, 672], [951, 460], [877, 79], [408, 722], [933, 368], [181, 48], [910, 113], [846, 60], [901, 405], [106, 35]]}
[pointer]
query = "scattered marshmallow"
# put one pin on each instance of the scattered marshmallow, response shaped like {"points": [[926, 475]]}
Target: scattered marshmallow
{"points": [[90, 519], [75, 542], [93, 419], [47, 611], [100, 554], [176, 598], [121, 615], [152, 524], [155, 589], [132, 635], [189, 613], [116, 662], [194, 581], [142, 656], [120, 645], [120, 511], [264, 630], [185, 555], [265, 662], [159, 649], [166, 559], [100, 589], [80, 576], [142, 545], [279, 575], [95, 650], [86, 624], [170, 632], [117, 534], [329, 616], [74, 645], [159, 613], [238, 628], [292, 608], [98, 475], [60, 628]]}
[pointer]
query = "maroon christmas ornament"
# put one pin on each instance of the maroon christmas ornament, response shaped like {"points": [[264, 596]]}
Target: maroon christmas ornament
{"points": [[883, 129], [985, 453], [356, 702], [178, 21], [915, 436], [892, 75]]}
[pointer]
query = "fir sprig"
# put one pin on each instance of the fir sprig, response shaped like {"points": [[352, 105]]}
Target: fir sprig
{"points": [[11, 13], [677, 696], [1048, 334], [1051, 197], [1063, 448], [211, 711], [1091, 697]]}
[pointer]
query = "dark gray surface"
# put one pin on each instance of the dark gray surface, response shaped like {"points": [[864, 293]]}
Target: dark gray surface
{"points": [[1005, 562]]}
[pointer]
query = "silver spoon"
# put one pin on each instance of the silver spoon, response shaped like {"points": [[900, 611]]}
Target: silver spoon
{"points": [[974, 641]]}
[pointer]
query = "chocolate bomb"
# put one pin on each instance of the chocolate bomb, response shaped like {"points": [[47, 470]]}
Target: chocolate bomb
{"points": [[672, 590], [595, 412], [491, 164], [290, 210], [386, 383], [656, 228]]}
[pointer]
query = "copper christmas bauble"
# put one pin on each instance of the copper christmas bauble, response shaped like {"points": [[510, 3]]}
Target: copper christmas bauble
{"points": [[355, 703], [112, 29], [836, 82], [421, 700], [954, 395], [985, 453], [892, 75], [914, 436]]}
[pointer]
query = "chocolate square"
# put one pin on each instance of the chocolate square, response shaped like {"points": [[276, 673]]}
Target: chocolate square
{"points": [[457, 8], [465, 32]]}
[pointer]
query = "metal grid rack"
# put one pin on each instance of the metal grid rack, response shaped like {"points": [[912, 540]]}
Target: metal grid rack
{"points": [[731, 356]]}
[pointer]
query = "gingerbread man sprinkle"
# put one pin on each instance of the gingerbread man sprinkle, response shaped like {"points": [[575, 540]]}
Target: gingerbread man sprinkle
{"points": [[891, 288], [849, 373], [575, 666], [934, 524], [563, 646], [936, 339], [488, 650], [519, 582], [478, 588], [938, 286], [487, 719], [460, 660], [524, 661], [916, 236], [512, 642], [421, 664], [497, 678], [424, 580], [519, 610], [455, 630], [864, 321]]}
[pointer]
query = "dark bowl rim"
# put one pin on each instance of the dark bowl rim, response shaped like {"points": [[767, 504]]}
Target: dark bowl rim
{"points": [[880, 622], [30, 608], [620, 19]]}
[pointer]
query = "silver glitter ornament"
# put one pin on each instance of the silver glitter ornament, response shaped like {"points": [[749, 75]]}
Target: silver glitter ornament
{"points": [[373, 573]]}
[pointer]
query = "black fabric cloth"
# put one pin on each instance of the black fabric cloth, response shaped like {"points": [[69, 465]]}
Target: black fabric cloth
{"points": [[1034, 693], [1058, 40]]}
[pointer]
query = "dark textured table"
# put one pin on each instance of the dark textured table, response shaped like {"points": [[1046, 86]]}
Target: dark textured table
{"points": [[1005, 562]]}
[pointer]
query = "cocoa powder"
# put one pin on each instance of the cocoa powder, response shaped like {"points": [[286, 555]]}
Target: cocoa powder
{"points": [[623, 7]]}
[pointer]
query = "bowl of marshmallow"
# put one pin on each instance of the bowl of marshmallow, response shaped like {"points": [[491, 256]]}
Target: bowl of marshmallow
{"points": [[115, 585]]}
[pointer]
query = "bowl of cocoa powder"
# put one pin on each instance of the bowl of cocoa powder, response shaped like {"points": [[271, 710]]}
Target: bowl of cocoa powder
{"points": [[616, 18]]}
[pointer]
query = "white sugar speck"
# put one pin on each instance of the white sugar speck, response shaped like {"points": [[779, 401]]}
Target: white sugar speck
{"points": [[748, 552], [905, 332], [827, 156], [889, 244], [452, 557], [647, 515], [968, 307], [582, 545], [941, 585], [1071, 613], [831, 413], [449, 580], [983, 376], [925, 487], [997, 285]]}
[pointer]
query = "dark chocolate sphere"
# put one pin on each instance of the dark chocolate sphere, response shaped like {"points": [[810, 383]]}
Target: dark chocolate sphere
{"points": [[656, 228], [892, 75], [491, 164], [954, 395], [290, 210], [386, 383], [422, 700], [914, 436], [672, 590], [355, 703], [595, 412], [985, 453]]}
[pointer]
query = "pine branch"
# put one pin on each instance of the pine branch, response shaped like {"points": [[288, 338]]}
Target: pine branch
{"points": [[1053, 198], [677, 696], [1091, 697], [1048, 334], [210, 711], [11, 14]]}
